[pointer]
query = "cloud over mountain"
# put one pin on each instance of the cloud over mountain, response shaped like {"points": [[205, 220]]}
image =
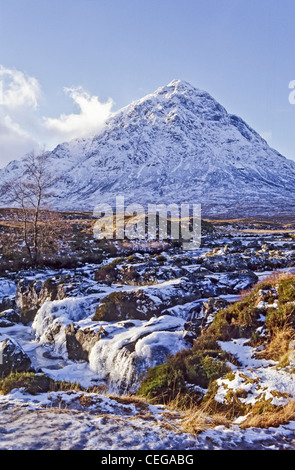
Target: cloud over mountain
{"points": [[23, 129]]}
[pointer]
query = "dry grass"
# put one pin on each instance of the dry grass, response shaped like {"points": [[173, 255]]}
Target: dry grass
{"points": [[269, 231], [199, 420], [273, 419], [278, 346], [277, 276], [139, 402]]}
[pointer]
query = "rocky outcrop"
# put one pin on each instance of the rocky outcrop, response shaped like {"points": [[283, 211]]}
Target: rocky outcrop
{"points": [[30, 295], [127, 305], [262, 257], [141, 273], [12, 357], [7, 303], [79, 342], [211, 307], [9, 318], [201, 316], [234, 283]]}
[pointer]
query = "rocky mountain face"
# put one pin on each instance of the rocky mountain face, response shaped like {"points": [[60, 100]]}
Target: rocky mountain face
{"points": [[176, 145]]}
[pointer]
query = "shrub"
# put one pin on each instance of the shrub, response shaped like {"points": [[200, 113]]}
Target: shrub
{"points": [[162, 383], [187, 368]]}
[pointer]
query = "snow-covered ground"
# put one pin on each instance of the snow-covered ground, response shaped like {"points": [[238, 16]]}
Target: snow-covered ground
{"points": [[80, 420]]}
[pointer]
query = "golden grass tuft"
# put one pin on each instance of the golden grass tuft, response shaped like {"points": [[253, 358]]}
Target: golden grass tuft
{"points": [[199, 420], [274, 419]]}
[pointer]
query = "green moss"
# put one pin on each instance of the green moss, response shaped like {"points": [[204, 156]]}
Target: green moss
{"points": [[195, 367], [205, 362], [163, 383], [232, 405], [32, 383], [263, 406]]}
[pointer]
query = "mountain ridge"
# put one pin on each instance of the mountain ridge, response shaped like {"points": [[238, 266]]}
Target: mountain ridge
{"points": [[176, 145]]}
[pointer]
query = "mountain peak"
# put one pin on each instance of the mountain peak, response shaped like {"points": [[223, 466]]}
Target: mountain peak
{"points": [[177, 86], [175, 145]]}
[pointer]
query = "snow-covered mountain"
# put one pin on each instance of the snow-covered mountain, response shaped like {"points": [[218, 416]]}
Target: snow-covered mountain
{"points": [[176, 145]]}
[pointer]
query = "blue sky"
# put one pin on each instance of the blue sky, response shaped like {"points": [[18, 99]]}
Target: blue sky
{"points": [[66, 64]]}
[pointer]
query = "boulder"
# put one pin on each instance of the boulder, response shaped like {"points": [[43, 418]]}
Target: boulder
{"points": [[7, 302], [9, 318], [119, 306], [30, 295], [80, 342], [234, 283], [211, 307], [12, 357]]}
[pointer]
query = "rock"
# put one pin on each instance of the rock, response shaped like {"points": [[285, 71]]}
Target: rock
{"points": [[214, 305], [7, 302], [30, 295], [80, 342], [292, 358], [9, 318], [53, 331], [224, 263], [119, 306], [211, 307], [234, 283], [267, 295], [12, 357], [192, 329], [143, 273]]}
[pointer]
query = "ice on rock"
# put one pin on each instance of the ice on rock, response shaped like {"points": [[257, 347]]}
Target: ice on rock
{"points": [[52, 318], [122, 357]]}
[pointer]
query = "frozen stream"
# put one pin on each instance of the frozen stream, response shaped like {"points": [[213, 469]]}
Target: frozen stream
{"points": [[58, 421]]}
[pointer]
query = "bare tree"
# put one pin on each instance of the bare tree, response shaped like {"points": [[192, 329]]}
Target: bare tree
{"points": [[30, 193]]}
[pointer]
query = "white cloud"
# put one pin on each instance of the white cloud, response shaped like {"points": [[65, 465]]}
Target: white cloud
{"points": [[14, 141], [89, 120], [18, 90], [23, 130]]}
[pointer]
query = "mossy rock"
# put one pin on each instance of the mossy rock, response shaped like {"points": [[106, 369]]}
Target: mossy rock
{"points": [[33, 383], [194, 366], [108, 272], [119, 306]]}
